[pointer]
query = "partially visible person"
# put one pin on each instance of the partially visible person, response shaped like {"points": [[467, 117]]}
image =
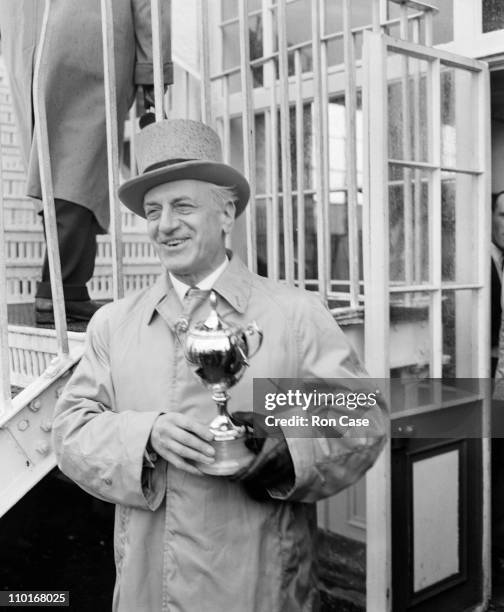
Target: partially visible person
{"points": [[75, 99], [497, 253], [497, 370]]}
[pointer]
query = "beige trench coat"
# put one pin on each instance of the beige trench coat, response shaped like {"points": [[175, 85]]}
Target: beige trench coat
{"points": [[186, 543], [74, 86]]}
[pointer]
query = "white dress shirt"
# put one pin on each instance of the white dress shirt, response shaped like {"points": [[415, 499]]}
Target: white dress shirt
{"points": [[205, 284]]}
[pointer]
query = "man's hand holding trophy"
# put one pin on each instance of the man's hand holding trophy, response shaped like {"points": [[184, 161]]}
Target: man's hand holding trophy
{"points": [[221, 353]]}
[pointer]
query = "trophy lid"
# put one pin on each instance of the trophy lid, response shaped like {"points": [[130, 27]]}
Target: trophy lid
{"points": [[213, 326], [213, 321]]}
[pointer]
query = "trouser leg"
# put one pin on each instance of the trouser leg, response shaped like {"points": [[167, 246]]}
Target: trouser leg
{"points": [[77, 229]]}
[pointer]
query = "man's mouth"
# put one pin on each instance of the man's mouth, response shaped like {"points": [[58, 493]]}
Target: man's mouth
{"points": [[174, 242]]}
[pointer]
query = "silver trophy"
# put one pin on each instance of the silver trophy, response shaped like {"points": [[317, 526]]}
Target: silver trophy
{"points": [[221, 354]]}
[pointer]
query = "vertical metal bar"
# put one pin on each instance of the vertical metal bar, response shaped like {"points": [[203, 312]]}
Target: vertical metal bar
{"points": [[186, 98], [270, 80], [112, 147], [417, 198], [377, 301], [268, 195], [275, 202], [204, 46], [351, 154], [132, 122], [5, 399], [428, 28], [483, 301], [481, 82], [318, 111], [39, 107], [435, 212], [406, 142], [157, 58], [325, 146], [226, 134], [376, 12], [285, 143], [301, 226], [248, 132], [383, 14], [226, 121]]}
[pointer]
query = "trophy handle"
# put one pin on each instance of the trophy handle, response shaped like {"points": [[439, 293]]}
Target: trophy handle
{"points": [[254, 337]]}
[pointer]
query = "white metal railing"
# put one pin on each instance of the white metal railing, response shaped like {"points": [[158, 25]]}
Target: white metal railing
{"points": [[248, 131], [272, 102], [112, 145], [4, 335], [39, 109]]}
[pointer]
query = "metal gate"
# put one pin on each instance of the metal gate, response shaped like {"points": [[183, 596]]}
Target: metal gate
{"points": [[427, 194]]}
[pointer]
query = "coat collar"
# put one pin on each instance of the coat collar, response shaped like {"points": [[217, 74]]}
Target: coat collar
{"points": [[233, 285]]}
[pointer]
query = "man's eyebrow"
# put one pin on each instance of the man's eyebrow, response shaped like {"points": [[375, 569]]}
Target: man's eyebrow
{"points": [[176, 200], [151, 203], [183, 198]]}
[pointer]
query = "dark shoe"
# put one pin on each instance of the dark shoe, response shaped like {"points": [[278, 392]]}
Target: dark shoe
{"points": [[75, 310]]}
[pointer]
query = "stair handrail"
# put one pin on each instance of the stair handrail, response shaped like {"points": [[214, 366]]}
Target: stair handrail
{"points": [[5, 387], [53, 255]]}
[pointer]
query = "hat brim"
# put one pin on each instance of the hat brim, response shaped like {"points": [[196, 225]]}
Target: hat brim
{"points": [[132, 192]]}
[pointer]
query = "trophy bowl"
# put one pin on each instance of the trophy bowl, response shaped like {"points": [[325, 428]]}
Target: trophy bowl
{"points": [[221, 352]]}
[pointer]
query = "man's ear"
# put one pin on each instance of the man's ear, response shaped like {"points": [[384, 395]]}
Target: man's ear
{"points": [[228, 214]]}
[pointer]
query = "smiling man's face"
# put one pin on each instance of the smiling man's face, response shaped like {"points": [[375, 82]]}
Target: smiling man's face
{"points": [[188, 226]]}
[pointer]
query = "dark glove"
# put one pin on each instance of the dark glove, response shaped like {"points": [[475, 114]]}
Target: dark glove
{"points": [[273, 467], [148, 96]]}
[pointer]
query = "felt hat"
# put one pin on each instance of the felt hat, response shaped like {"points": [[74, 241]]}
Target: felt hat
{"points": [[175, 150]]}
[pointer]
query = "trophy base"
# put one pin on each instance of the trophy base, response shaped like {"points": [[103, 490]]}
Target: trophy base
{"points": [[230, 456]]}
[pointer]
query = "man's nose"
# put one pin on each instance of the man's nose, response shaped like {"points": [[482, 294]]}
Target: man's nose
{"points": [[168, 220]]}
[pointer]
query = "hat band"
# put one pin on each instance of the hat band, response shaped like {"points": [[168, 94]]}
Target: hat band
{"points": [[164, 164]]}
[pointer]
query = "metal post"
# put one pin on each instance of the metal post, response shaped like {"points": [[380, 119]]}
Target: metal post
{"points": [[39, 107], [428, 28], [157, 58], [248, 132], [301, 229], [271, 128], [377, 322], [285, 143], [4, 322], [318, 110], [417, 131], [433, 84], [351, 155], [226, 120], [376, 8], [406, 141], [206, 110], [132, 153], [112, 146], [325, 145], [483, 301]]}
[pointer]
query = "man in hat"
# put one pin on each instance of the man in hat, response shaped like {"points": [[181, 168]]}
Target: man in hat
{"points": [[131, 426]]}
